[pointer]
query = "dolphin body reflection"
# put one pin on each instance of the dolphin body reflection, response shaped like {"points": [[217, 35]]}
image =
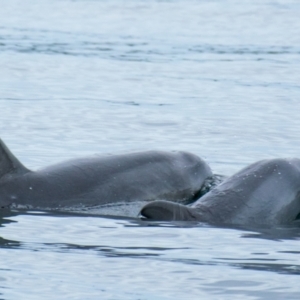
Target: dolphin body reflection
{"points": [[100, 180], [264, 193]]}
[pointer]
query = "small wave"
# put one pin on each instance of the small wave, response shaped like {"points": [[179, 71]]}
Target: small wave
{"points": [[126, 48]]}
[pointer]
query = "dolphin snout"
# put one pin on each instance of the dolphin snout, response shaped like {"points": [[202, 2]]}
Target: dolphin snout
{"points": [[165, 211]]}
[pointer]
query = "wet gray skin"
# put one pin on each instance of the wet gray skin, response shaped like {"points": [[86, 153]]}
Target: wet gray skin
{"points": [[264, 193], [97, 180]]}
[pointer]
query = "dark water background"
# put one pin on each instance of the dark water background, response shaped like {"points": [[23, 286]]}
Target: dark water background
{"points": [[216, 78]]}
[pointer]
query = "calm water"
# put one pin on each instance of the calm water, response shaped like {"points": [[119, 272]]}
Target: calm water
{"points": [[216, 78]]}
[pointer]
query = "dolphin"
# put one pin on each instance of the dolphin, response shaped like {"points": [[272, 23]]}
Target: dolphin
{"points": [[266, 193], [100, 180]]}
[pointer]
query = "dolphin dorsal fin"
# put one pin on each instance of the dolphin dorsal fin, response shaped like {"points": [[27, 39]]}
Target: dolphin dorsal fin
{"points": [[9, 164]]}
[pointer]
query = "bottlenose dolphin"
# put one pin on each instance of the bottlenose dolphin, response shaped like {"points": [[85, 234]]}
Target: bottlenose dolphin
{"points": [[264, 193], [100, 180]]}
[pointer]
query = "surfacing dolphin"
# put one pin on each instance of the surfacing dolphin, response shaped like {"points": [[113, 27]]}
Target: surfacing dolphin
{"points": [[100, 180], [264, 193]]}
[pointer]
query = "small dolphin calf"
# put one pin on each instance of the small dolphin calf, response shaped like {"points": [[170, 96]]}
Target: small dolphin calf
{"points": [[99, 180], [264, 193]]}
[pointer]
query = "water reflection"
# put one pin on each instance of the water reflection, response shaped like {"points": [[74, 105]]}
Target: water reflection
{"points": [[197, 257], [4, 243], [4, 221], [291, 232], [276, 266]]}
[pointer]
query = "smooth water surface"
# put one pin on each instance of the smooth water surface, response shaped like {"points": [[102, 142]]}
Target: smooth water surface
{"points": [[216, 78]]}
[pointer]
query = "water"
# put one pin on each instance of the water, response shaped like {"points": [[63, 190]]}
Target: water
{"points": [[216, 78]]}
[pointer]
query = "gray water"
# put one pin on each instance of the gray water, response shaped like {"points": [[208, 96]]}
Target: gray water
{"points": [[216, 78]]}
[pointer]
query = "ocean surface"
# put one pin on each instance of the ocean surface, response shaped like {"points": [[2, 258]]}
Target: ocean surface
{"points": [[217, 78]]}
